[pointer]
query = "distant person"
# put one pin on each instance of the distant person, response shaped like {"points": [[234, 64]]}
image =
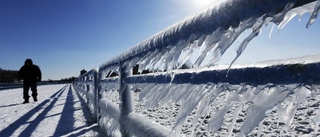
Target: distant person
{"points": [[30, 74]]}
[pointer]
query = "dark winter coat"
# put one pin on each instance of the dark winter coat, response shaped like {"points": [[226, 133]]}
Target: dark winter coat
{"points": [[30, 74]]}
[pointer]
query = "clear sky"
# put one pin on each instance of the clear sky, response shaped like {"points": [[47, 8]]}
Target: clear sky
{"points": [[63, 37]]}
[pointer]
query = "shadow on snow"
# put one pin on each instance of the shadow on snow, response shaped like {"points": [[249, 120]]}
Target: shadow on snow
{"points": [[65, 124], [8, 131]]}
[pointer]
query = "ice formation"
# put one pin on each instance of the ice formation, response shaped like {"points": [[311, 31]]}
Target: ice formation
{"points": [[213, 30], [219, 100]]}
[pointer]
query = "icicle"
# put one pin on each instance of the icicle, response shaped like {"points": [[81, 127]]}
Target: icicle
{"points": [[193, 96], [152, 101], [174, 63], [283, 17], [271, 31], [234, 119], [189, 50], [173, 56], [147, 91], [203, 105], [267, 98], [156, 60], [154, 98], [190, 101], [171, 91], [132, 63], [210, 43], [286, 114], [301, 93], [146, 60], [217, 119], [314, 14], [168, 58], [228, 39], [316, 120], [255, 32], [203, 55], [260, 128], [172, 75]]}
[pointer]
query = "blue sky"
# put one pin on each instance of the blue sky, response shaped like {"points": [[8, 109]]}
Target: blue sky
{"points": [[65, 36]]}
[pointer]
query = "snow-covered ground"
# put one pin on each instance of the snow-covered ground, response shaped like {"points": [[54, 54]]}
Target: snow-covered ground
{"points": [[59, 112]]}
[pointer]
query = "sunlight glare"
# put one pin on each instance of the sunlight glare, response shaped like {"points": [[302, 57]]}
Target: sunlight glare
{"points": [[201, 3]]}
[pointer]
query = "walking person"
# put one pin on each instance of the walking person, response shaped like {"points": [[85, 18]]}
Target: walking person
{"points": [[31, 74]]}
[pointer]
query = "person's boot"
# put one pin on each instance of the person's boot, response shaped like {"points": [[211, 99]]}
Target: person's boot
{"points": [[35, 98], [26, 101]]}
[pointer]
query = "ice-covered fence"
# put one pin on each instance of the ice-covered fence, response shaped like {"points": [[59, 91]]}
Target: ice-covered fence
{"points": [[204, 102], [86, 86], [123, 102]]}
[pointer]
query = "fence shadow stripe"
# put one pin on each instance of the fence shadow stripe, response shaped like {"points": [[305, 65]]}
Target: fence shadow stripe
{"points": [[8, 131], [66, 122]]}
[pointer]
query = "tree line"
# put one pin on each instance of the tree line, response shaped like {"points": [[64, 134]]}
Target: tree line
{"points": [[13, 76], [9, 75]]}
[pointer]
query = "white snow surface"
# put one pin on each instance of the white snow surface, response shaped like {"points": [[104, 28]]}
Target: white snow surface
{"points": [[58, 112]]}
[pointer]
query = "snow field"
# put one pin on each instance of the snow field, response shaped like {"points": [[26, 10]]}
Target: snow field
{"points": [[58, 112]]}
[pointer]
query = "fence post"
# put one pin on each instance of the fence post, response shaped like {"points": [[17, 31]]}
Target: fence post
{"points": [[95, 92], [98, 95], [126, 98]]}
